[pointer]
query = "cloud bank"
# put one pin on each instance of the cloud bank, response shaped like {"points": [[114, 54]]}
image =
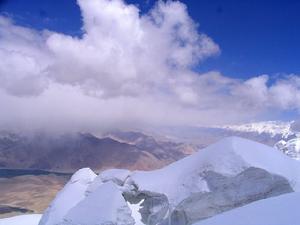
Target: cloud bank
{"points": [[128, 70]]}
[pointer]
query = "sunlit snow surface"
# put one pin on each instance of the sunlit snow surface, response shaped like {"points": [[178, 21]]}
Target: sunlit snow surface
{"points": [[229, 156], [135, 212], [22, 220], [104, 204], [73, 193]]}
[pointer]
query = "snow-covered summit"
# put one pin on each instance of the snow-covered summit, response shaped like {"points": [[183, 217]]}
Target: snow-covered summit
{"points": [[228, 174], [73, 193], [105, 205], [84, 176]]}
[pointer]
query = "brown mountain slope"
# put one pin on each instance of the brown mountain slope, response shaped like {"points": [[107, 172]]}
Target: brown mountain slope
{"points": [[70, 152], [28, 194]]}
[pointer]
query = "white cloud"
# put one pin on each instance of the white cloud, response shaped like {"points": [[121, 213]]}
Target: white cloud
{"points": [[286, 93], [123, 53], [23, 59], [126, 70]]}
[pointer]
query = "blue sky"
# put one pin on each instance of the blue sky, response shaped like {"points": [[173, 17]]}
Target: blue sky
{"points": [[129, 68], [256, 37]]}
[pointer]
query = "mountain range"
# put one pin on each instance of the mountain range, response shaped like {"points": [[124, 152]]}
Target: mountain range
{"points": [[69, 152], [287, 134], [143, 150], [284, 136], [28, 157]]}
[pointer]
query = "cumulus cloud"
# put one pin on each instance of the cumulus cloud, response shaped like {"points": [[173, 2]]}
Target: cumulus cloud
{"points": [[127, 70], [23, 59], [286, 93], [123, 53]]}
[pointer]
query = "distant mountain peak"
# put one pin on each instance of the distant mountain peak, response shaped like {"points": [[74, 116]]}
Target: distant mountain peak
{"points": [[269, 127], [289, 142]]}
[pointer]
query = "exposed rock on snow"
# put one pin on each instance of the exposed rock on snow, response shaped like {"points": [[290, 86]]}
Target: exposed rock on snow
{"points": [[290, 147], [229, 156], [225, 175], [154, 206], [118, 176], [281, 210], [229, 192]]}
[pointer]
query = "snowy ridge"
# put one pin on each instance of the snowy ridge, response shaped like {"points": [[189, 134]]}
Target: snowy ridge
{"points": [[228, 174], [229, 156], [184, 192], [106, 199], [73, 193]]}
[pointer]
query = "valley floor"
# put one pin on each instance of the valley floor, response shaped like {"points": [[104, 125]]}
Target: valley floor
{"points": [[28, 194]]}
